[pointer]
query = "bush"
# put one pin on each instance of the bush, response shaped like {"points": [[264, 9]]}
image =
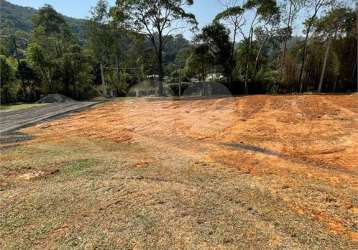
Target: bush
{"points": [[9, 86]]}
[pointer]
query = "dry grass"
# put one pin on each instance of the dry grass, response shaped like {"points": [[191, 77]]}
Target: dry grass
{"points": [[251, 172]]}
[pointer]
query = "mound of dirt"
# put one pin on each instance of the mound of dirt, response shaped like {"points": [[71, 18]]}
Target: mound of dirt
{"points": [[55, 98]]}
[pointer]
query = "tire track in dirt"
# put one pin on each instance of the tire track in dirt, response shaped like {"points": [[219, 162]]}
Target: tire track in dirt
{"points": [[291, 158]]}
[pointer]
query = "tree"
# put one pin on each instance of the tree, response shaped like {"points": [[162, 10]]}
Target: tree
{"points": [[28, 76], [316, 6], [101, 38], [174, 46], [291, 8], [50, 39], [263, 11], [217, 39], [328, 28], [37, 59], [55, 54], [155, 19], [6, 81], [76, 73], [233, 16], [13, 43], [199, 62], [264, 34]]}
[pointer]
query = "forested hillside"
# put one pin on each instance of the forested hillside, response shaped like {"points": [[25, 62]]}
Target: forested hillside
{"points": [[18, 18]]}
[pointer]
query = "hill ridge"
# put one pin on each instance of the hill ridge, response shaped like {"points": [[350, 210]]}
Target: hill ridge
{"points": [[15, 17]]}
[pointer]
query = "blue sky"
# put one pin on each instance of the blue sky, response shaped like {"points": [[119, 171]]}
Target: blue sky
{"points": [[204, 10]]}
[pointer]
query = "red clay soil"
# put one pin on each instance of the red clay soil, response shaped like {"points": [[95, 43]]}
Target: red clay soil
{"points": [[289, 143]]}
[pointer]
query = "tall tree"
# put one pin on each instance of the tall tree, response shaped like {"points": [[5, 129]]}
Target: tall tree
{"points": [[100, 37], [199, 62], [28, 79], [262, 35], [50, 38], [328, 28], [232, 15], [216, 37], [6, 81], [76, 73], [55, 53], [156, 19], [315, 6], [290, 10], [259, 11]]}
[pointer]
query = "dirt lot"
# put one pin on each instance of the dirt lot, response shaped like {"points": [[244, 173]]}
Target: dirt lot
{"points": [[248, 172]]}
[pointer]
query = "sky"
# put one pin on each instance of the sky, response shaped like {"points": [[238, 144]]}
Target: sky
{"points": [[204, 10]]}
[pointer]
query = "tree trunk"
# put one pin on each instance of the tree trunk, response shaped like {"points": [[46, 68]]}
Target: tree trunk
{"points": [[248, 54], [310, 23], [232, 55], [300, 83], [259, 53], [283, 60], [247, 66], [18, 60], [324, 65], [46, 75], [160, 64], [246, 76], [117, 67], [335, 84], [355, 72], [104, 90]]}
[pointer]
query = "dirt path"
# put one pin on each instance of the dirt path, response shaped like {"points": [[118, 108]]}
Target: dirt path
{"points": [[273, 172], [13, 120]]}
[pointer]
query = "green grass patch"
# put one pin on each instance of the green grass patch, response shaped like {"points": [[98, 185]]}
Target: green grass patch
{"points": [[19, 106], [78, 167]]}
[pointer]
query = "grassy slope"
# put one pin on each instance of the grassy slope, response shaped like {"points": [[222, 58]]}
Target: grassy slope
{"points": [[67, 191]]}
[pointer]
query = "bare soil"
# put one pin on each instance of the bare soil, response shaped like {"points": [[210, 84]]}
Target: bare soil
{"points": [[243, 172]]}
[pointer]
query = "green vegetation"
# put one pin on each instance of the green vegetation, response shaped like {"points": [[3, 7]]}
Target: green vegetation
{"points": [[154, 19], [250, 48], [17, 18], [18, 106]]}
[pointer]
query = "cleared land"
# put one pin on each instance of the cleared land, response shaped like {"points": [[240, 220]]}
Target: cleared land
{"points": [[258, 172]]}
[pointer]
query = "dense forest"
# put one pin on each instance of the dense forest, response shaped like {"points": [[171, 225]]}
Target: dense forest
{"points": [[250, 47]]}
